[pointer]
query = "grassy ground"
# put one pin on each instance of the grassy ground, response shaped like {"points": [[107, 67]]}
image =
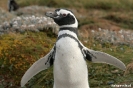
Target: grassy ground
{"points": [[100, 4], [114, 11], [19, 51], [17, 55]]}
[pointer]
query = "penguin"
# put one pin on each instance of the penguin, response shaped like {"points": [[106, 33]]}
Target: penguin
{"points": [[12, 5], [68, 55]]}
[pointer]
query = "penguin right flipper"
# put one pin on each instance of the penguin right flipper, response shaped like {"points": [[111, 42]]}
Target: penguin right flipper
{"points": [[38, 66], [101, 57]]}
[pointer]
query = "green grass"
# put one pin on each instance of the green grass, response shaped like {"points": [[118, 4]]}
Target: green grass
{"points": [[19, 51], [96, 4], [24, 49], [122, 20], [117, 11], [97, 75]]}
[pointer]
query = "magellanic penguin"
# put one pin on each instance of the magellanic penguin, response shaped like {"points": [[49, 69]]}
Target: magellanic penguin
{"points": [[12, 5], [68, 55]]}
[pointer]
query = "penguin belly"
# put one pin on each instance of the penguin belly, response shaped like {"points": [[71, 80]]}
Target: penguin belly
{"points": [[70, 68]]}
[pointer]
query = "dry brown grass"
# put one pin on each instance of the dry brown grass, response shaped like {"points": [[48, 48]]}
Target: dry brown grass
{"points": [[3, 4], [129, 69]]}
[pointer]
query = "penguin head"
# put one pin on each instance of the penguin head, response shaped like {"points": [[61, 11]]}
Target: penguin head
{"points": [[63, 17]]}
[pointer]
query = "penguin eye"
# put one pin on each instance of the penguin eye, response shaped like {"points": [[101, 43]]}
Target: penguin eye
{"points": [[64, 14]]}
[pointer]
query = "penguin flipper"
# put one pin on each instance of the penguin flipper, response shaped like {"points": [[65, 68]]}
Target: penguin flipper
{"points": [[101, 57], [38, 66]]}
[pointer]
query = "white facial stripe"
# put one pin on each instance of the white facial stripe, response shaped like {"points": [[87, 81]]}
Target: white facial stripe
{"points": [[63, 11], [58, 13]]}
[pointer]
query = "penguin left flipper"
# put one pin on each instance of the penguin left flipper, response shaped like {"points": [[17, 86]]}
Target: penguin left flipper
{"points": [[101, 57], [38, 66]]}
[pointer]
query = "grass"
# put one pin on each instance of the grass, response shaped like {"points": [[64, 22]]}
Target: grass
{"points": [[118, 12], [88, 4], [17, 55], [100, 4], [122, 20], [101, 77], [19, 51]]}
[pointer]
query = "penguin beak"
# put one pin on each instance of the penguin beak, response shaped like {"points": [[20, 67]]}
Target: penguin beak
{"points": [[52, 15]]}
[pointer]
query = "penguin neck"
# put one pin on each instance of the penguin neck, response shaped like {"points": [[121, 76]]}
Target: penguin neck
{"points": [[68, 30]]}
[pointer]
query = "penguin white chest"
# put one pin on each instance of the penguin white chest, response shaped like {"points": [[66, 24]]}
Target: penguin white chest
{"points": [[70, 69]]}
